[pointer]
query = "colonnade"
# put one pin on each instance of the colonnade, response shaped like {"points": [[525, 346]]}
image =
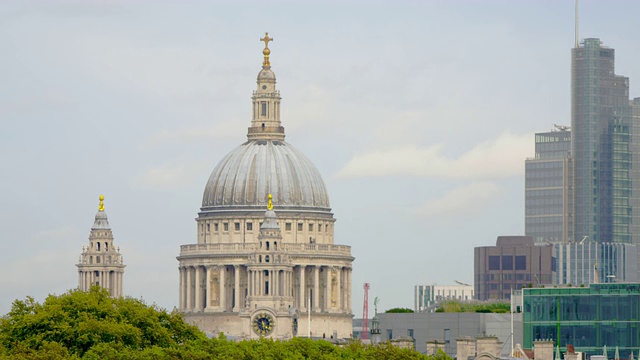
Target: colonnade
{"points": [[325, 294], [108, 279], [231, 287], [270, 282]]}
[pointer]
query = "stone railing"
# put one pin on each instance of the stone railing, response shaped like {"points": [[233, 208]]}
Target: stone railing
{"points": [[317, 249], [291, 248], [217, 248]]}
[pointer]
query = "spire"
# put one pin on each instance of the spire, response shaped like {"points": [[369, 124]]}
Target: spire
{"points": [[265, 122], [266, 51]]}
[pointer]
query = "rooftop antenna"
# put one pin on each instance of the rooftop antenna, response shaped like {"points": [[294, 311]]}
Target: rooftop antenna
{"points": [[576, 24]]}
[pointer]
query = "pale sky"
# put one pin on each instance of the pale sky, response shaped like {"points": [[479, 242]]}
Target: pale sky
{"points": [[418, 114]]}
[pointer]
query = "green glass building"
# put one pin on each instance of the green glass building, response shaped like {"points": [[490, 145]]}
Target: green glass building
{"points": [[586, 317]]}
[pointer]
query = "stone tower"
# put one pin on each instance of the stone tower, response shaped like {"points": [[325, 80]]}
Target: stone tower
{"points": [[101, 263]]}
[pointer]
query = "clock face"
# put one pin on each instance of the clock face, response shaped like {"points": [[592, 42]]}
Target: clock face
{"points": [[263, 324]]}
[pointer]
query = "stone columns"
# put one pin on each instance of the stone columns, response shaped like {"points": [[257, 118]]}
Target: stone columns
{"points": [[339, 290], [316, 289], [254, 283], [236, 271], [223, 292], [207, 286], [327, 289], [190, 288], [116, 282], [181, 295], [349, 288], [198, 290], [118, 289]]}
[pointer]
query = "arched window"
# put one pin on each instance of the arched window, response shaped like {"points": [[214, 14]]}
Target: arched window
{"points": [[267, 245], [98, 246], [275, 245], [106, 246], [259, 258], [266, 258]]}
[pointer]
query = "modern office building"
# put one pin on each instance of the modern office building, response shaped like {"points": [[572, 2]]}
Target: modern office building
{"points": [[587, 317], [588, 262], [605, 143], [427, 297], [548, 187], [515, 262]]}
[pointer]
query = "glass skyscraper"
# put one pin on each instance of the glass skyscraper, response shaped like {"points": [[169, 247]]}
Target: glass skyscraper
{"points": [[605, 142], [547, 187]]}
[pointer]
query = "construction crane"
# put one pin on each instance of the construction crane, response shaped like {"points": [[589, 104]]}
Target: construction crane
{"points": [[365, 313]]}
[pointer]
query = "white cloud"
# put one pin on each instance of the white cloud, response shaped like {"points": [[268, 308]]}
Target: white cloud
{"points": [[500, 157], [461, 200]]}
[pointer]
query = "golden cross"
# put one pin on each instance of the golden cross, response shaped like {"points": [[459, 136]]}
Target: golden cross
{"points": [[266, 40]]}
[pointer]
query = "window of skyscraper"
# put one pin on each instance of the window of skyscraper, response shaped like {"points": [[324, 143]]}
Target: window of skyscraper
{"points": [[521, 262], [507, 262], [494, 262]]}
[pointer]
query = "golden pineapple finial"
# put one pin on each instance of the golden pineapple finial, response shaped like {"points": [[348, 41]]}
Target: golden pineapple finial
{"points": [[101, 206]]}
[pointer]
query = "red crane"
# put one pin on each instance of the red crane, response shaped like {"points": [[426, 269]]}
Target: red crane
{"points": [[365, 313]]}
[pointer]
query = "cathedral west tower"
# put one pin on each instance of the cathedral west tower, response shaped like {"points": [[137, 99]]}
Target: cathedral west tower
{"points": [[100, 263], [253, 273]]}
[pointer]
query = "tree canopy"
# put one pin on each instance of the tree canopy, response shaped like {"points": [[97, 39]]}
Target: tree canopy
{"points": [[474, 306], [399, 311], [93, 325]]}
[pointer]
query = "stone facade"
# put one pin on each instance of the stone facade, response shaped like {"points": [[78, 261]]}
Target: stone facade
{"points": [[250, 270], [101, 263]]}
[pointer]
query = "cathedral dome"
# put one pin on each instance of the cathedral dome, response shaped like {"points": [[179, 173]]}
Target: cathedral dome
{"points": [[265, 164], [257, 168]]}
